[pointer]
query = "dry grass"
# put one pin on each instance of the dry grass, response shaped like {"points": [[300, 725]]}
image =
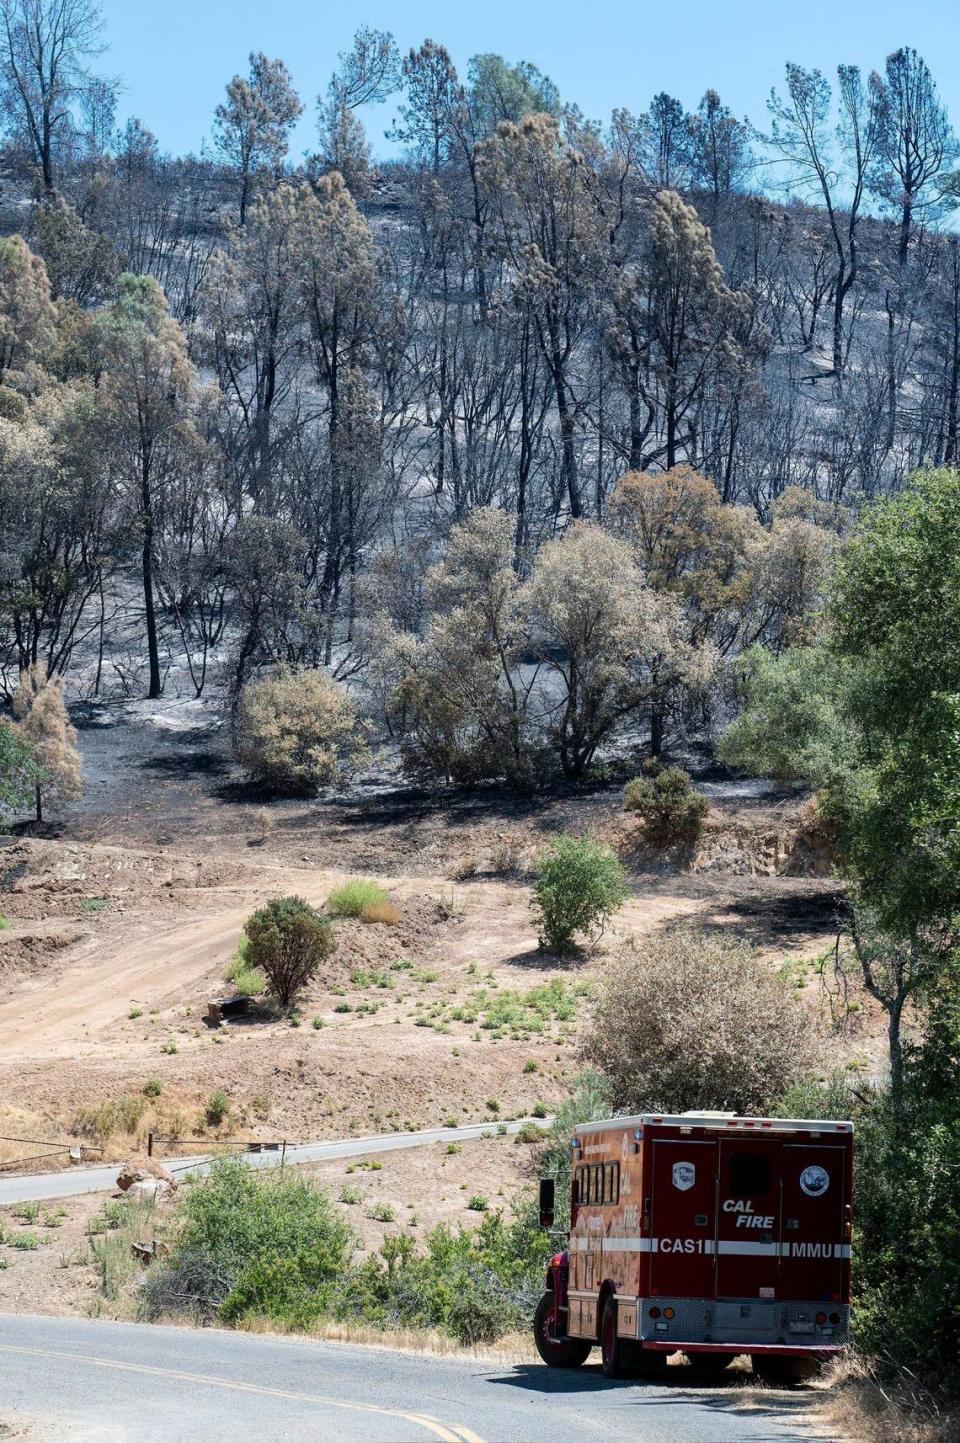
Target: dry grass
{"points": [[386, 913], [512, 1349], [863, 1409]]}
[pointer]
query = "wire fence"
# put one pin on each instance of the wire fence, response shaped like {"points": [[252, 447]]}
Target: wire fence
{"points": [[75, 1151], [80, 1152]]}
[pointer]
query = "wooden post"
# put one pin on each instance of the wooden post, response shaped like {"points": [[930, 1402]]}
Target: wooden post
{"points": [[149, 1144]]}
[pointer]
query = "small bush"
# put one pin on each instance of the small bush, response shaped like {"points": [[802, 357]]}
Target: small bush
{"points": [[351, 1194], [670, 807], [4, 924], [579, 885], [217, 1108], [297, 731], [353, 897], [288, 941], [530, 1065], [478, 1203], [540, 1109], [152, 1087], [26, 1240], [134, 1013], [170, 1048], [27, 1212], [453, 1148], [529, 1132], [382, 1212]]}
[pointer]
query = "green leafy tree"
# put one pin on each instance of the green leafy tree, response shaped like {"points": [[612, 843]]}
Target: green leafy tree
{"points": [[896, 624], [579, 886], [794, 724], [289, 941]]}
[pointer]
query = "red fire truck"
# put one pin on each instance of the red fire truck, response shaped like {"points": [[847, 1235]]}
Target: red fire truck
{"points": [[707, 1234]]}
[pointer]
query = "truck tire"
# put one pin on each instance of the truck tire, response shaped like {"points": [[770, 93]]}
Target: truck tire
{"points": [[612, 1356], [556, 1352], [784, 1371]]}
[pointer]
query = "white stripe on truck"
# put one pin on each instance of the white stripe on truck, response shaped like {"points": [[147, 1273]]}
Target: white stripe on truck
{"points": [[708, 1245]]}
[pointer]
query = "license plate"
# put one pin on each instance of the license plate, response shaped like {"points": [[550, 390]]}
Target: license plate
{"points": [[801, 1327]]}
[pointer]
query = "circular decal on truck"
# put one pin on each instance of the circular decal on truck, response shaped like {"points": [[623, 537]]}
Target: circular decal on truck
{"points": [[814, 1181]]}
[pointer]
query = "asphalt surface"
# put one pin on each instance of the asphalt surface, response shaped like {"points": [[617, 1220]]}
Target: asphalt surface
{"points": [[70, 1379], [74, 1181]]}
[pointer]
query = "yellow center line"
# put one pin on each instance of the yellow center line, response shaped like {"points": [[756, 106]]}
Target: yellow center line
{"points": [[432, 1425]]}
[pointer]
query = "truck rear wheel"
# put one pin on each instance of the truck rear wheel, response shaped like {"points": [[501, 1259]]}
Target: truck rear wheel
{"points": [[556, 1352], [783, 1370]]}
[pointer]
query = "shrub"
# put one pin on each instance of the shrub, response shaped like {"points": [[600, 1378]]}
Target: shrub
{"points": [[530, 1065], [26, 1240], [354, 896], [27, 1212], [478, 1203], [152, 1087], [382, 1212], [261, 1246], [217, 1109], [579, 885], [671, 809], [530, 1132], [296, 731], [697, 1021], [288, 941], [351, 1194]]}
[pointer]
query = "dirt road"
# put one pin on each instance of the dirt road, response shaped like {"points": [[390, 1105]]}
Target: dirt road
{"points": [[70, 1014]]}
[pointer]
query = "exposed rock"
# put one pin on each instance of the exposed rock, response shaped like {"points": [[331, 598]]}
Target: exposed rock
{"points": [[143, 1169], [151, 1189]]}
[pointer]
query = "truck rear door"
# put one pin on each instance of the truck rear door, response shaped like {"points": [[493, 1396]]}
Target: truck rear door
{"points": [[748, 1227], [683, 1218], [812, 1240]]}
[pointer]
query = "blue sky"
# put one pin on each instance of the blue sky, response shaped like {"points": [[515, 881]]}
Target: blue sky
{"points": [[175, 56]]}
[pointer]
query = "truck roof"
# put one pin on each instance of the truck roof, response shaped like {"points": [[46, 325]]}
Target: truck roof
{"points": [[718, 1122]]}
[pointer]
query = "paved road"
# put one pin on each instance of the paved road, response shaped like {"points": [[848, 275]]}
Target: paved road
{"points": [[71, 1182], [73, 1380]]}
